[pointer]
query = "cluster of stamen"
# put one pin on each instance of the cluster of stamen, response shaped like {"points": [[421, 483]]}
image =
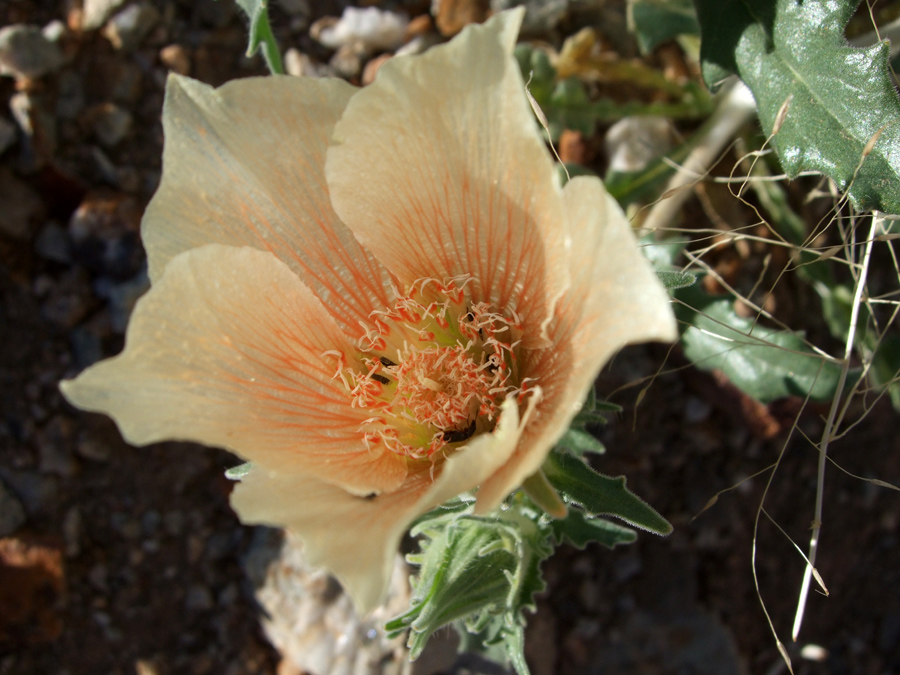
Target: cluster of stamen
{"points": [[434, 369]]}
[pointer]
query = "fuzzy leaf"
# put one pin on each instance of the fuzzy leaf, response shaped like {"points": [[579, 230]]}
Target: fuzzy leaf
{"points": [[601, 495], [260, 33], [764, 363], [673, 279], [838, 98], [655, 21], [580, 530]]}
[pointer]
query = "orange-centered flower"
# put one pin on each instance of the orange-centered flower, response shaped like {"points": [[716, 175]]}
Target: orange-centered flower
{"points": [[381, 297]]}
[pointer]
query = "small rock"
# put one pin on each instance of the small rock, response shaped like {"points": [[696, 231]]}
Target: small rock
{"points": [[96, 12], [541, 16], [33, 490], [122, 298], [369, 29], [451, 16], [94, 450], [371, 69], [198, 599], [295, 7], [300, 65], [69, 95], [105, 234], [22, 207], [54, 447], [347, 61], [7, 135], [176, 58], [31, 587], [38, 127], [634, 142], [110, 123], [52, 243], [12, 513], [25, 52], [127, 29], [70, 300], [71, 529], [572, 148]]}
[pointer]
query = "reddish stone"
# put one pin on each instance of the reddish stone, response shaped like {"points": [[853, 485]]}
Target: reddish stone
{"points": [[31, 590]]}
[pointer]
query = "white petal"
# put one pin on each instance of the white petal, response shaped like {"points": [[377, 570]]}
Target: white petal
{"points": [[439, 170], [244, 166], [227, 349]]}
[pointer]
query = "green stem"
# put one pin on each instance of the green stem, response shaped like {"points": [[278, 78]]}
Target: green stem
{"points": [[268, 44]]}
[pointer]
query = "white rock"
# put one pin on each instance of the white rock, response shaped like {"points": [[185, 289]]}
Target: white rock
{"points": [[634, 142], [96, 12], [371, 27], [26, 52]]}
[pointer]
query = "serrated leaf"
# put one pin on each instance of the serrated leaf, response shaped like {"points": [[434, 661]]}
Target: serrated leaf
{"points": [[655, 21], [580, 530], [479, 574], [764, 363], [601, 495], [829, 99]]}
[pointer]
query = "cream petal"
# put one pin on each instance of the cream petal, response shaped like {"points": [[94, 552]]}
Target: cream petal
{"points": [[439, 170], [356, 538], [227, 349], [615, 299], [243, 165]]}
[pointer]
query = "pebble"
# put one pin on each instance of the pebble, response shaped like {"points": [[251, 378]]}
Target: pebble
{"points": [[38, 127], [176, 58], [54, 447], [451, 16], [25, 52], [22, 207], [7, 135], [634, 142], [347, 61], [122, 298], [104, 232], [94, 450], [52, 243], [12, 513], [69, 95], [371, 69], [110, 123], [71, 529], [127, 29], [34, 490], [198, 599], [32, 592], [541, 16], [96, 12], [367, 29]]}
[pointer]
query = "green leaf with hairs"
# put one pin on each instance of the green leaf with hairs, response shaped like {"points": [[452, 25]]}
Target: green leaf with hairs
{"points": [[836, 107]]}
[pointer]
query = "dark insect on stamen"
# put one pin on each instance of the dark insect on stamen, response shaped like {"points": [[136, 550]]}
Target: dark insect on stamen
{"points": [[460, 435], [386, 362], [380, 378]]}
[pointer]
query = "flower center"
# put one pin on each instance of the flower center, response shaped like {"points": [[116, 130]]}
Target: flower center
{"points": [[434, 369]]}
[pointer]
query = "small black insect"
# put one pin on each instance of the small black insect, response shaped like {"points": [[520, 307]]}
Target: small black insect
{"points": [[460, 435]]}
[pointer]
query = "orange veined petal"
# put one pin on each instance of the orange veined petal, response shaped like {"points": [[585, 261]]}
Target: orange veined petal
{"points": [[439, 170], [228, 348], [615, 299], [243, 165], [356, 538]]}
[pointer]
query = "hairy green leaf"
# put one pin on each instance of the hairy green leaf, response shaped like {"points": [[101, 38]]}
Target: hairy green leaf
{"points": [[601, 495], [835, 105], [673, 279], [763, 362], [260, 34], [580, 530], [655, 21]]}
